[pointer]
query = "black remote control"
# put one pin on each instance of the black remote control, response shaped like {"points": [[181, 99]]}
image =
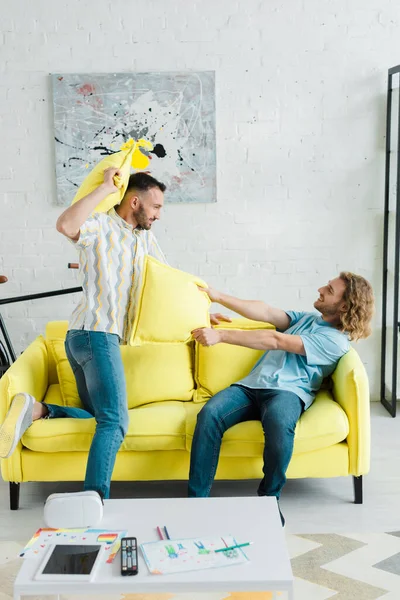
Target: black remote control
{"points": [[129, 559]]}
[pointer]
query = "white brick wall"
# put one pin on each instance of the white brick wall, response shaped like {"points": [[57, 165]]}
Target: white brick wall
{"points": [[300, 132]]}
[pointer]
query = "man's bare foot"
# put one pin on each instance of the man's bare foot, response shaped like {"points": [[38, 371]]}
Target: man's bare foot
{"points": [[39, 411]]}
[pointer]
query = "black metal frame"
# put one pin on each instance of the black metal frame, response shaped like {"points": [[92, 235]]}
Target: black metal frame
{"points": [[3, 328], [15, 487], [390, 404]]}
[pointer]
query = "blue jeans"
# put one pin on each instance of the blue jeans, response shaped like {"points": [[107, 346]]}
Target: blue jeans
{"points": [[95, 358], [278, 412]]}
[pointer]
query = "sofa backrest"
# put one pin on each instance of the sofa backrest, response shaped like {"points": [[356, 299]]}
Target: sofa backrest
{"points": [[157, 372], [153, 372]]}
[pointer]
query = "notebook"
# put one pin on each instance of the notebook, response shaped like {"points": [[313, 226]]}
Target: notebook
{"points": [[192, 554]]}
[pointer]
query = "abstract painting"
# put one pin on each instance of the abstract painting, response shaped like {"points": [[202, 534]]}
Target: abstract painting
{"points": [[171, 115]]}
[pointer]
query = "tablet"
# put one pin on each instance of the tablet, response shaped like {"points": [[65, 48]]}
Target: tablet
{"points": [[70, 562]]}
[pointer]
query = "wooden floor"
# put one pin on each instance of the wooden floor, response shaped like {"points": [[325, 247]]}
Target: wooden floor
{"points": [[309, 505]]}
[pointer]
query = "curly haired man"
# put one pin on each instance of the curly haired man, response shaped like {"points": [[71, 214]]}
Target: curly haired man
{"points": [[304, 348]]}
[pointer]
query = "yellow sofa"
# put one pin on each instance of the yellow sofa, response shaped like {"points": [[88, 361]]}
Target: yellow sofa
{"points": [[167, 386]]}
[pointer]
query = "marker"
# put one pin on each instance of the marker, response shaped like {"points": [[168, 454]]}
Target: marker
{"points": [[233, 547], [166, 533]]}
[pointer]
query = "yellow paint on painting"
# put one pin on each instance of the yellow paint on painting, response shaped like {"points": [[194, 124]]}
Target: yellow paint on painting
{"points": [[146, 144], [128, 144], [139, 160]]}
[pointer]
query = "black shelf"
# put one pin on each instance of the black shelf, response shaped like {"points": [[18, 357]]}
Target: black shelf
{"points": [[389, 394]]}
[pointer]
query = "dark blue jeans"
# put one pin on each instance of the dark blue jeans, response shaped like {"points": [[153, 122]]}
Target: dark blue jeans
{"points": [[278, 412], [95, 358]]}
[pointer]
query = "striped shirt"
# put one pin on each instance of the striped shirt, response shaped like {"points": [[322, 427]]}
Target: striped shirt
{"points": [[111, 259]]}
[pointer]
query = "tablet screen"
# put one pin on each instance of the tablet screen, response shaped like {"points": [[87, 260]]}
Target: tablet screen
{"points": [[71, 560]]}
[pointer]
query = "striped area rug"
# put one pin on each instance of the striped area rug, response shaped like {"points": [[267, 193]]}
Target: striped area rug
{"points": [[363, 566]]}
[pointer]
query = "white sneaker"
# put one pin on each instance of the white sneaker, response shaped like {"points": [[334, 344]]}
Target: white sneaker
{"points": [[17, 421]]}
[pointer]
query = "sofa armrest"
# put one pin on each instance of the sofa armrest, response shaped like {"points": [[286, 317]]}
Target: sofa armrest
{"points": [[351, 391], [28, 374]]}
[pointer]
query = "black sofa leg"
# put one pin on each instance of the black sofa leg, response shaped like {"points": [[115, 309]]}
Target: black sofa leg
{"points": [[14, 496], [358, 490]]}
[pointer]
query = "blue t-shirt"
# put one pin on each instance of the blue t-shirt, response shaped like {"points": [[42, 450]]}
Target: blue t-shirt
{"points": [[277, 369]]}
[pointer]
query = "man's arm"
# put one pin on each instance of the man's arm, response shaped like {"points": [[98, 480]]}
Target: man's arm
{"points": [[251, 309], [259, 339], [71, 220]]}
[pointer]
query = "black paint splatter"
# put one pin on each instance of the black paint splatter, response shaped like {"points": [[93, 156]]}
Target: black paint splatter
{"points": [[118, 133], [104, 151], [159, 151], [98, 133], [73, 183], [69, 145]]}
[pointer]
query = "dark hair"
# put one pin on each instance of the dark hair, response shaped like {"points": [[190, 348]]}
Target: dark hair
{"points": [[144, 182]]}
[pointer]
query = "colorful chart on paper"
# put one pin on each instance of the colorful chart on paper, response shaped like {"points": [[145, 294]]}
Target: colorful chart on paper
{"points": [[43, 537], [177, 556]]}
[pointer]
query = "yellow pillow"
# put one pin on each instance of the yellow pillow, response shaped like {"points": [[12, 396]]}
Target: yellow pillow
{"points": [[54, 329], [217, 367], [65, 374], [152, 373], [169, 305], [120, 160]]}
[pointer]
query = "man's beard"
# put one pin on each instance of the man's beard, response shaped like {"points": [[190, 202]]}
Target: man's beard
{"points": [[327, 311], [142, 219]]}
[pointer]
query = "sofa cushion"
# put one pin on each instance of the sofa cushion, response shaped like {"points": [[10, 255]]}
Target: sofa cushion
{"points": [[217, 367], [152, 373], [120, 160], [324, 424], [53, 395], [169, 305], [151, 427]]}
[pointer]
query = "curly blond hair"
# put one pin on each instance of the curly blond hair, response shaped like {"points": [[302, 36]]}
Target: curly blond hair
{"points": [[360, 306]]}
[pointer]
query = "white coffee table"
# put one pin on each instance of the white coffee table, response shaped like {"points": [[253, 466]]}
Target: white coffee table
{"points": [[249, 519]]}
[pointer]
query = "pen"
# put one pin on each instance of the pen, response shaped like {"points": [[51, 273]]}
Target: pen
{"points": [[160, 533], [166, 533], [233, 547]]}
